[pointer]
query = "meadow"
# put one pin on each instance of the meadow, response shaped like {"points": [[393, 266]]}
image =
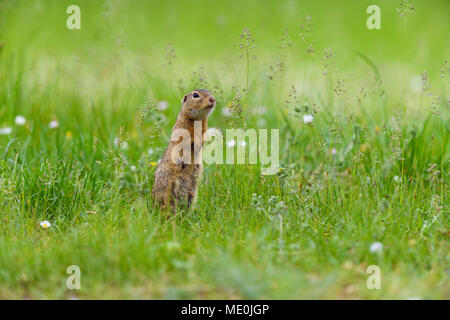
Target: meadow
{"points": [[362, 114]]}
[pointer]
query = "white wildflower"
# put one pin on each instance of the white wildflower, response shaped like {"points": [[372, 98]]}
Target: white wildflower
{"points": [[45, 224], [20, 120], [212, 132], [231, 143], [53, 124], [307, 118], [5, 130], [271, 170], [376, 247], [226, 112], [123, 144], [162, 105]]}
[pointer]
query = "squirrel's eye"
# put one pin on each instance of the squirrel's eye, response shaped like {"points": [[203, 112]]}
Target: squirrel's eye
{"points": [[195, 95]]}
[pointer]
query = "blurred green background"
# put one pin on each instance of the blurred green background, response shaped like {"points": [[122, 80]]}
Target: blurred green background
{"points": [[121, 51], [126, 42], [204, 30]]}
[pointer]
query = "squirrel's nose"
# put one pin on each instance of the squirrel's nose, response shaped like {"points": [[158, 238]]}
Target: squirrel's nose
{"points": [[212, 100]]}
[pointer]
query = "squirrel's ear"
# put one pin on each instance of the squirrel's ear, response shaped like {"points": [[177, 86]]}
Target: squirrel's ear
{"points": [[184, 99]]}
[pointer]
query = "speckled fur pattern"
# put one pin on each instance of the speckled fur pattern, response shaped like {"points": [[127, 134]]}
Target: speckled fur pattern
{"points": [[176, 182]]}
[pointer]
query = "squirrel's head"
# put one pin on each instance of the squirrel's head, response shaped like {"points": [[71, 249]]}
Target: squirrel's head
{"points": [[198, 104]]}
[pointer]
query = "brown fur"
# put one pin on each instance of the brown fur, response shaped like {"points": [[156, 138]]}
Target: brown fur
{"points": [[176, 182]]}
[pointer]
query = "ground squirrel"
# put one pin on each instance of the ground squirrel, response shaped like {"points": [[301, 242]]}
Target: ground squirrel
{"points": [[179, 171]]}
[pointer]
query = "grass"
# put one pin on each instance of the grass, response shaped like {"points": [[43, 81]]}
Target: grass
{"points": [[371, 167]]}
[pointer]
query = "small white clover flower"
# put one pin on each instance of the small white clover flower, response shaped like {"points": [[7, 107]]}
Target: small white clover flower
{"points": [[212, 132], [123, 144], [5, 130], [397, 179], [20, 120], [271, 170], [308, 118], [376, 247], [162, 105], [231, 143], [53, 124], [333, 151], [226, 112], [45, 224]]}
